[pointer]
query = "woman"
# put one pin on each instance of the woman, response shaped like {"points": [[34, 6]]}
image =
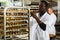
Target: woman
{"points": [[51, 29], [38, 30]]}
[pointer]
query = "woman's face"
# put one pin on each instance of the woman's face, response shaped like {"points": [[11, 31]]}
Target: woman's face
{"points": [[50, 11], [42, 7]]}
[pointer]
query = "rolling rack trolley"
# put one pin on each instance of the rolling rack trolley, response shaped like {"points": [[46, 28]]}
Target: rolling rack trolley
{"points": [[16, 23], [1, 22]]}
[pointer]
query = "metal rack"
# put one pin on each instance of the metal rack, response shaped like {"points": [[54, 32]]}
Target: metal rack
{"points": [[1, 23], [16, 23]]}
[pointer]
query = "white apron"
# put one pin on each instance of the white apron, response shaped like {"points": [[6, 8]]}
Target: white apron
{"points": [[51, 24], [36, 33]]}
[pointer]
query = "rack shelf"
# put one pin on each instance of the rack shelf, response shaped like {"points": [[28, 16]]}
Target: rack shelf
{"points": [[1, 22], [16, 22]]}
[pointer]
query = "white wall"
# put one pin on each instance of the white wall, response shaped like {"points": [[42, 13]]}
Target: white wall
{"points": [[8, 3], [29, 1], [58, 10], [2, 0]]}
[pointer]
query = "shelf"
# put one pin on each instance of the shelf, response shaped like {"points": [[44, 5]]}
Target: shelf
{"points": [[18, 16], [17, 20], [15, 25], [1, 10], [25, 36], [1, 15], [21, 11], [2, 25], [1, 30], [1, 22], [13, 30]]}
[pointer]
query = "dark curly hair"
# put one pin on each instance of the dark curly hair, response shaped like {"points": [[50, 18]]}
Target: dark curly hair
{"points": [[45, 2]]}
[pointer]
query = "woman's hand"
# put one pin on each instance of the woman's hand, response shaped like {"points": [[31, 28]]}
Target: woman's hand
{"points": [[33, 13]]}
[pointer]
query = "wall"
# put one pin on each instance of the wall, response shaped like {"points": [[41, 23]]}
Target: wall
{"points": [[58, 10], [2, 0], [29, 1]]}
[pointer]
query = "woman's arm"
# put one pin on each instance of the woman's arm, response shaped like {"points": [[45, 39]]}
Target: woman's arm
{"points": [[41, 24]]}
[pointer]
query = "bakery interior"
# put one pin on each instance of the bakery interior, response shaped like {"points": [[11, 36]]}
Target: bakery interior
{"points": [[14, 18]]}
